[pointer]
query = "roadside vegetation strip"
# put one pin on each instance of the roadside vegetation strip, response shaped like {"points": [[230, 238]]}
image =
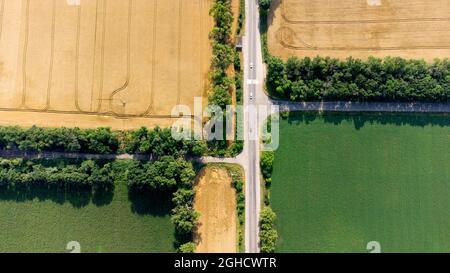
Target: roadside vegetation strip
{"points": [[241, 18], [268, 233], [224, 55], [238, 144], [264, 9], [391, 187]]}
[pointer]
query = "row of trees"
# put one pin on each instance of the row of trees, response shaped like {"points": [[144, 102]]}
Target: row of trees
{"points": [[157, 142], [101, 140], [223, 53], [185, 218], [268, 235], [241, 17], [388, 79], [238, 184], [89, 175]]}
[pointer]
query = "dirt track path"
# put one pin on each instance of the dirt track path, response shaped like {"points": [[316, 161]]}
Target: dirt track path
{"points": [[342, 106], [57, 155]]}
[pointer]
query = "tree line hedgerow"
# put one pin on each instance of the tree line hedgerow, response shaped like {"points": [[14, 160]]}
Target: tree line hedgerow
{"points": [[268, 233], [223, 53], [241, 17], [88, 175], [223, 56], [388, 79], [157, 142]]}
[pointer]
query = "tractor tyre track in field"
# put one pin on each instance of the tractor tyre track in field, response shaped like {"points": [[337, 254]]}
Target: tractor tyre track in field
{"points": [[106, 114], [128, 76], [368, 21], [180, 16], [52, 56], [154, 44], [25, 51], [280, 39], [201, 50], [77, 61], [77, 58], [102, 62], [94, 54], [34, 80], [2, 11], [24, 54]]}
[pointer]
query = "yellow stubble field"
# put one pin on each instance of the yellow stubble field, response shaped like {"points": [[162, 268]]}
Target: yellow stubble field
{"points": [[215, 200], [417, 29], [89, 63]]}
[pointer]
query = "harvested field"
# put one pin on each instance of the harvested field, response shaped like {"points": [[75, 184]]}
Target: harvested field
{"points": [[215, 200], [123, 64], [418, 29]]}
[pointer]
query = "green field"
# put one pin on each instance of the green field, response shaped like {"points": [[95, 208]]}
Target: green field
{"points": [[42, 221], [342, 180]]}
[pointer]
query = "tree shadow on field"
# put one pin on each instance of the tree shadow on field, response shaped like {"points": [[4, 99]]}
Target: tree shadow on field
{"points": [[147, 202], [78, 197], [265, 23], [360, 119], [102, 197]]}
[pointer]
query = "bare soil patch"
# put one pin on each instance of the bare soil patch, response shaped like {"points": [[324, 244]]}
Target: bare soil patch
{"points": [[215, 199]]}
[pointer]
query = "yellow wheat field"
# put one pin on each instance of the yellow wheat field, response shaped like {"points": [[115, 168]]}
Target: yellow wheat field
{"points": [[215, 200], [89, 63], [360, 28]]}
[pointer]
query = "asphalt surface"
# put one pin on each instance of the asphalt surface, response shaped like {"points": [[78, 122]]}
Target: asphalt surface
{"points": [[252, 91]]}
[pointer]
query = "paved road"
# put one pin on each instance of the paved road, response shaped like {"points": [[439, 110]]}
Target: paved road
{"points": [[254, 80], [253, 97]]}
